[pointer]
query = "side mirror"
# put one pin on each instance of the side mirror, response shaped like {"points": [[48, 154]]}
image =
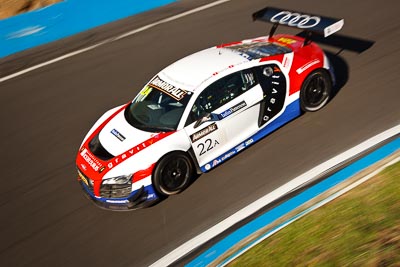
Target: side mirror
{"points": [[205, 118]]}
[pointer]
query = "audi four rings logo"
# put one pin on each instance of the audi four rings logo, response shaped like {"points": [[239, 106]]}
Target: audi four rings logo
{"points": [[296, 19]]}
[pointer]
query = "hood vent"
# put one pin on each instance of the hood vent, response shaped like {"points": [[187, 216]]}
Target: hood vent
{"points": [[98, 150]]}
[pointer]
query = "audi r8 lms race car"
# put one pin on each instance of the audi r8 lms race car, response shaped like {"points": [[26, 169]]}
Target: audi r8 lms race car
{"points": [[202, 110]]}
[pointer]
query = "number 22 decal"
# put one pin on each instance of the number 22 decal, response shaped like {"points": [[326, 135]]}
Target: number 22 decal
{"points": [[207, 146]]}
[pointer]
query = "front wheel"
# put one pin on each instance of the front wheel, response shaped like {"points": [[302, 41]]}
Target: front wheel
{"points": [[173, 173], [315, 91]]}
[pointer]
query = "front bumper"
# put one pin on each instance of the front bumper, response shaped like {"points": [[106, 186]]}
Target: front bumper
{"points": [[140, 198]]}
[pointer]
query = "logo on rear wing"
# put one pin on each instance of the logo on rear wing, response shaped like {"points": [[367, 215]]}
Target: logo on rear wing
{"points": [[296, 19], [310, 22]]}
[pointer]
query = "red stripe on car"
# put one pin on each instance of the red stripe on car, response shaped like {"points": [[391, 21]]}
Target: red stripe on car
{"points": [[98, 168]]}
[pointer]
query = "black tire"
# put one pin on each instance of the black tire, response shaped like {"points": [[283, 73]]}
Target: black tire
{"points": [[173, 173], [315, 91]]}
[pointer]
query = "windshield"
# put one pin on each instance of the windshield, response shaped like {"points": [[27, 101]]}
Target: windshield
{"points": [[158, 107]]}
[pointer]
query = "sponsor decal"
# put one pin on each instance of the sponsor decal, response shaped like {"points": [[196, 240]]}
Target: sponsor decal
{"points": [[228, 155], [203, 132], [145, 91], [91, 160], [240, 147], [286, 61], [286, 40], [118, 135], [333, 28], [83, 167], [274, 95], [122, 157], [150, 196], [244, 145], [233, 109], [167, 88], [298, 20], [249, 142], [117, 160], [307, 65], [117, 201], [83, 178], [216, 162]]}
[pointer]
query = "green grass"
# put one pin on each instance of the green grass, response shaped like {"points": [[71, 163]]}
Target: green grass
{"points": [[360, 228]]}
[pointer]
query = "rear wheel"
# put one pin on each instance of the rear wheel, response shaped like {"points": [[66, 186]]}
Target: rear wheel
{"points": [[173, 174], [315, 91]]}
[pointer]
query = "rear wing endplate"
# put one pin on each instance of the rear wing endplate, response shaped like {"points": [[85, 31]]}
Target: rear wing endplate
{"points": [[308, 22]]}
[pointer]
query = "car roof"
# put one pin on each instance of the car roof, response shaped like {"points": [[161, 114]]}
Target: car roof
{"points": [[190, 72]]}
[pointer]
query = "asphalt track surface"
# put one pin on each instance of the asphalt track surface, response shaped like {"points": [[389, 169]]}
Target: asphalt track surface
{"points": [[44, 114]]}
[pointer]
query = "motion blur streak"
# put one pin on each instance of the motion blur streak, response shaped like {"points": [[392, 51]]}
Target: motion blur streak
{"points": [[144, 28]]}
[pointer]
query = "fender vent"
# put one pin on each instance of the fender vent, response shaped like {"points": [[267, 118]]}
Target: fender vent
{"points": [[98, 150]]}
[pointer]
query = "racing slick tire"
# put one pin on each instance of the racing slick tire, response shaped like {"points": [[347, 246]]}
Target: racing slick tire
{"points": [[315, 91], [173, 173]]}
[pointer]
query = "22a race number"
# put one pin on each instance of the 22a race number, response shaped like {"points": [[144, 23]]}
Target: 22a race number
{"points": [[207, 146]]}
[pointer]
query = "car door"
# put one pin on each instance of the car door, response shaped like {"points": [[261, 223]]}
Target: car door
{"points": [[223, 115]]}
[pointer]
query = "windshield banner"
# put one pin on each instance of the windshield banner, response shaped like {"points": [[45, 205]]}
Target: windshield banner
{"points": [[167, 88]]}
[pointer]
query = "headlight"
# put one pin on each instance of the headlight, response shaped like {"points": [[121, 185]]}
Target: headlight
{"points": [[123, 179]]}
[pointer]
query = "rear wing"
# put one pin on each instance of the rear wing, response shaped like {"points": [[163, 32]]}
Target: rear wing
{"points": [[308, 22]]}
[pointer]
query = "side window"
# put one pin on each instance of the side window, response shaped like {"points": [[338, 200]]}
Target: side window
{"points": [[221, 92]]}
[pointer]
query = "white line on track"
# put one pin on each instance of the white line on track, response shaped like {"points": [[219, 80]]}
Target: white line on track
{"points": [[133, 32], [270, 197]]}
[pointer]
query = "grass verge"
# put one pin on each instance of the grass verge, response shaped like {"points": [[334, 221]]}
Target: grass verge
{"points": [[360, 228]]}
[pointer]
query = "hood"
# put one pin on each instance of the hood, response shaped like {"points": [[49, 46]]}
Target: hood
{"points": [[120, 140], [111, 143], [117, 136]]}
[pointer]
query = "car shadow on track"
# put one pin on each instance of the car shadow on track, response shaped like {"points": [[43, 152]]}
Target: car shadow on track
{"points": [[342, 42], [341, 71]]}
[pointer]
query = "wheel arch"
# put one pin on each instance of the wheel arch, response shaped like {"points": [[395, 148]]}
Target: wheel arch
{"points": [[305, 80], [186, 153], [325, 70]]}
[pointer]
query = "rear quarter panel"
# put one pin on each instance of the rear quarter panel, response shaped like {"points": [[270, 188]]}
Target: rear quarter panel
{"points": [[306, 59]]}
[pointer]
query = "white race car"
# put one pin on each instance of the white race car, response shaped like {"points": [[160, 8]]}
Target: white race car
{"points": [[202, 110]]}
